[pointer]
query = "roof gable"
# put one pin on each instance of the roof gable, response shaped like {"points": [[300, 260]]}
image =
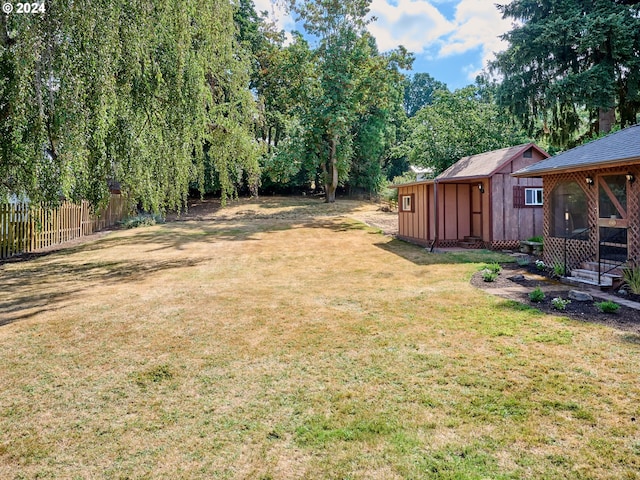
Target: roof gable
{"points": [[623, 145], [485, 164]]}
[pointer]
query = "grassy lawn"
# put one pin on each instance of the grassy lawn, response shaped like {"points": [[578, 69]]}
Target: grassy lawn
{"points": [[282, 339]]}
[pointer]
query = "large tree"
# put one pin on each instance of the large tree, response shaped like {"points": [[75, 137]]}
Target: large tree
{"points": [[143, 92], [457, 124], [344, 84], [568, 60], [419, 91]]}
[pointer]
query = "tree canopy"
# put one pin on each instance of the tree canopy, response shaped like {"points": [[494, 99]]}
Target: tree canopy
{"points": [[458, 124], [569, 61], [148, 93]]}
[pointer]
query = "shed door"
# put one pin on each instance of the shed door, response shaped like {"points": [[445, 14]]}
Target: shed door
{"points": [[612, 218], [476, 211]]}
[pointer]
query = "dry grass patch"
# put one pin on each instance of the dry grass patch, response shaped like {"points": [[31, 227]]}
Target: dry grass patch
{"points": [[294, 342]]}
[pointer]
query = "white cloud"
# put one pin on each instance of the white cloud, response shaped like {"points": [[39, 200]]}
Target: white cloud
{"points": [[479, 24], [415, 24], [422, 28]]}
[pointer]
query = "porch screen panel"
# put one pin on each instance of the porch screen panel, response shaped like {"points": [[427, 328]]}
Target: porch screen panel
{"points": [[569, 214], [617, 186]]}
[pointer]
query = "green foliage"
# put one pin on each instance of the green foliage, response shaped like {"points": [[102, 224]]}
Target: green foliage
{"points": [[458, 124], [419, 90], [631, 277], [569, 65], [142, 220], [489, 276], [523, 261], [540, 265], [535, 239], [558, 269], [128, 90], [536, 295], [350, 94], [608, 306], [493, 267], [560, 303]]}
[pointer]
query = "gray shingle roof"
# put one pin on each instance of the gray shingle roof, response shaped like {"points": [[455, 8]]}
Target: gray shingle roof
{"points": [[620, 146], [482, 164]]}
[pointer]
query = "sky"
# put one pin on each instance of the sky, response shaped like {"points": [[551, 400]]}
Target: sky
{"points": [[452, 40]]}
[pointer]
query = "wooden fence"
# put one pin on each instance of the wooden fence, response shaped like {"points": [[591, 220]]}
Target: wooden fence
{"points": [[26, 227]]}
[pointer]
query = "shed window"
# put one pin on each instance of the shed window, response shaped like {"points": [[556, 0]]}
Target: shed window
{"points": [[406, 203], [527, 197], [533, 196]]}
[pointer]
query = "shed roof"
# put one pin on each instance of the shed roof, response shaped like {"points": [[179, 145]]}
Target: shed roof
{"points": [[484, 164], [619, 147]]}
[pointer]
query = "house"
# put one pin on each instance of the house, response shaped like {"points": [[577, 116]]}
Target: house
{"points": [[592, 206], [475, 203], [421, 173]]}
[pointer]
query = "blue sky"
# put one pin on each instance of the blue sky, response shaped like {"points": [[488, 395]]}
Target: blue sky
{"points": [[452, 39]]}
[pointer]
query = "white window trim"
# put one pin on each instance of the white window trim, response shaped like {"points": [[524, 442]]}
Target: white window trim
{"points": [[406, 203], [535, 191]]}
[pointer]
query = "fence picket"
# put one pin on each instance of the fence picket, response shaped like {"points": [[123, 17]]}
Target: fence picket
{"points": [[25, 228]]}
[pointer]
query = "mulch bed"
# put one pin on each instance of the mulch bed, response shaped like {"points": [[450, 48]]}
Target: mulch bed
{"points": [[625, 318]]}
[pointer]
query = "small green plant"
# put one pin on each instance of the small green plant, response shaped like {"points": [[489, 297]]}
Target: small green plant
{"points": [[559, 270], [536, 295], [560, 303], [540, 265], [631, 276], [535, 239], [608, 306], [523, 261], [489, 276], [493, 267]]}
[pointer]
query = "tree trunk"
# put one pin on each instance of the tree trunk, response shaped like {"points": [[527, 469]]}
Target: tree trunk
{"points": [[606, 119], [331, 173]]}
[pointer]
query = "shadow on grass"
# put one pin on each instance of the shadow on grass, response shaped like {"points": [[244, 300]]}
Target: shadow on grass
{"points": [[35, 287], [38, 288]]}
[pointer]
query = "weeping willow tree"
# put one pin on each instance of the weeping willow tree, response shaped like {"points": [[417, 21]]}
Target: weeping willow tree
{"points": [[152, 94]]}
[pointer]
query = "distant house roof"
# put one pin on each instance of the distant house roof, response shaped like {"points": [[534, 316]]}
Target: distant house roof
{"points": [[484, 164], [619, 147]]}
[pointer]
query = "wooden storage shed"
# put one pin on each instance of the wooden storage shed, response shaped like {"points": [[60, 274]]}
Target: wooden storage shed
{"points": [[475, 203]]}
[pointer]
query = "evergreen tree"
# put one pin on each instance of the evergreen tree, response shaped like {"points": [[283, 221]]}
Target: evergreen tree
{"points": [[566, 57]]}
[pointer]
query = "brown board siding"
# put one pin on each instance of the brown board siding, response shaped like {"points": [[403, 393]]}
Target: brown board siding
{"points": [[413, 226], [511, 223]]}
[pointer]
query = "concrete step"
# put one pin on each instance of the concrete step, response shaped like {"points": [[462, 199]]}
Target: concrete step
{"points": [[610, 268], [591, 277]]}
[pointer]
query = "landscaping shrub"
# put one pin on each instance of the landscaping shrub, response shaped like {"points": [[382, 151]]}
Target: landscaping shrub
{"points": [[558, 269], [631, 276], [560, 303], [608, 306], [489, 276], [493, 267], [537, 295]]}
